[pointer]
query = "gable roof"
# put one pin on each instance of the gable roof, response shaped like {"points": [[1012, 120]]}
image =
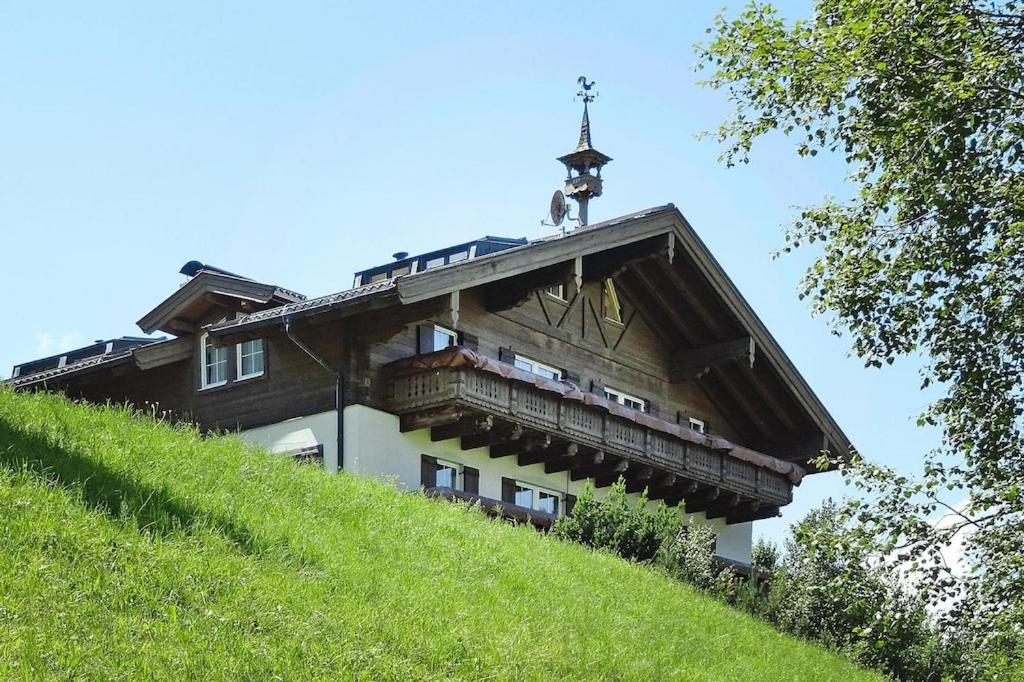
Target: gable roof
{"points": [[182, 310], [702, 303]]}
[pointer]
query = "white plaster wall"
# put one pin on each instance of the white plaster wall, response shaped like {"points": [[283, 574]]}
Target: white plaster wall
{"points": [[300, 432], [374, 446]]}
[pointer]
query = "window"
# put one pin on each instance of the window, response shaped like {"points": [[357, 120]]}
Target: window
{"points": [[557, 291], [434, 262], [698, 425], [398, 272], [457, 256], [443, 338], [536, 498], [611, 309], [446, 475], [379, 277], [625, 399], [538, 368], [250, 359], [215, 363]]}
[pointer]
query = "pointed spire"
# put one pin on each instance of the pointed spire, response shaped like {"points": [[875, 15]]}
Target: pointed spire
{"points": [[583, 164], [584, 144]]}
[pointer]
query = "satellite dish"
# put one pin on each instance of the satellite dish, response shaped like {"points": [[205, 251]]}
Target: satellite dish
{"points": [[557, 207]]}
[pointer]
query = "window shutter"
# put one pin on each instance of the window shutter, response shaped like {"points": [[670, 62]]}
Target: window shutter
{"points": [[597, 387], [570, 503], [507, 356], [471, 480], [652, 409], [469, 341], [428, 471], [508, 490], [425, 339], [571, 377], [680, 417]]}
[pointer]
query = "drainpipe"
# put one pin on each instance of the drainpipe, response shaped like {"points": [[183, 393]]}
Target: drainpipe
{"points": [[339, 388]]}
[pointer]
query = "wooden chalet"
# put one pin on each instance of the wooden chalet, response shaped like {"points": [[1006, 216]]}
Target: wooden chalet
{"points": [[501, 370]]}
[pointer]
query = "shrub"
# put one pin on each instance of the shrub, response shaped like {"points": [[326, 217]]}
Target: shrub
{"points": [[633, 531], [764, 557], [690, 557], [842, 597]]}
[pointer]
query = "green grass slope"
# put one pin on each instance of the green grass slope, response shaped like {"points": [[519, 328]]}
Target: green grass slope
{"points": [[131, 549]]}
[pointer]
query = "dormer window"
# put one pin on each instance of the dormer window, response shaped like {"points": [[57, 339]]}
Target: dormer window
{"points": [[215, 363], [611, 309], [698, 425], [250, 359]]}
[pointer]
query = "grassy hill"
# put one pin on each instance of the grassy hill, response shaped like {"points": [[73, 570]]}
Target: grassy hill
{"points": [[134, 549]]}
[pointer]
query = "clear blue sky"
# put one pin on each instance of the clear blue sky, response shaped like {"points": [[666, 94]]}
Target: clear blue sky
{"points": [[297, 144]]}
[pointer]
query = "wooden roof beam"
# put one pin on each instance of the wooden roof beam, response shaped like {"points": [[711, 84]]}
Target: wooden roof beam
{"points": [[752, 513], [606, 264], [695, 298], [516, 289], [666, 307], [463, 427], [582, 459], [695, 362], [753, 412], [608, 468], [723, 507]]}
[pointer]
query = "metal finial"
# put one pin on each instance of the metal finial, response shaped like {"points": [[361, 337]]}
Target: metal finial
{"points": [[585, 92]]}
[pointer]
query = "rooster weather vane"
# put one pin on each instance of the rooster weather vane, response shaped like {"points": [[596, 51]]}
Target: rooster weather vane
{"points": [[583, 168], [584, 94]]}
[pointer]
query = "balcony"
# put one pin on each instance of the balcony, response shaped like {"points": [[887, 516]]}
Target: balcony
{"points": [[457, 393]]}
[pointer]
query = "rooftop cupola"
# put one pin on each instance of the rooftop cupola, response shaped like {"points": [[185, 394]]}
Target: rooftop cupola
{"points": [[583, 164]]}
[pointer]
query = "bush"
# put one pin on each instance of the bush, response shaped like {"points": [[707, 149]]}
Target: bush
{"points": [[764, 557], [843, 598], [633, 531], [690, 557]]}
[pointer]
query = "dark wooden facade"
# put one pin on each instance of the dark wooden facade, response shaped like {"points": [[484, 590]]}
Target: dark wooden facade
{"points": [[687, 344]]}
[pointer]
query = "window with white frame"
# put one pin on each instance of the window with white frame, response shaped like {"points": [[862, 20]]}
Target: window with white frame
{"points": [[447, 475], [434, 262], [443, 338], [698, 425], [556, 291], [538, 368], [250, 359], [215, 363], [625, 399], [532, 497]]}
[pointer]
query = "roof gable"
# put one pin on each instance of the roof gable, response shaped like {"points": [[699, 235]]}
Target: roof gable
{"points": [[184, 310], [716, 338]]}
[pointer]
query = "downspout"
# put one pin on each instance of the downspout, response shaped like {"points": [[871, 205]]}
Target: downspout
{"points": [[339, 388]]}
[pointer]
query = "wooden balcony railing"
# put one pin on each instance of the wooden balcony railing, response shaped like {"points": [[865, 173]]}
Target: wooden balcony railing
{"points": [[456, 387]]}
